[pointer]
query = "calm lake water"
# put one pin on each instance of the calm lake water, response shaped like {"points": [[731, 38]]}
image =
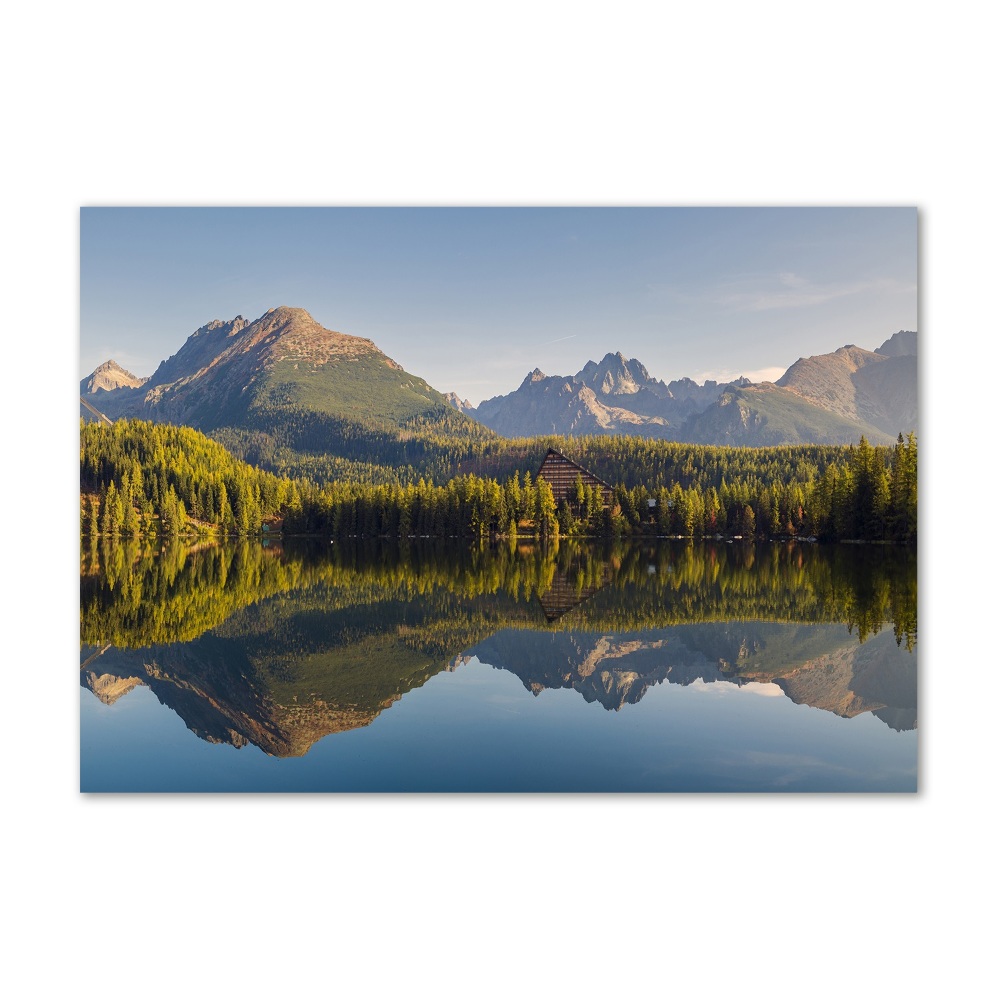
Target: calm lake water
{"points": [[668, 666]]}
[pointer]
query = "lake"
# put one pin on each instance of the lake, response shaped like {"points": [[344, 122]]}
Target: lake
{"points": [[665, 666]]}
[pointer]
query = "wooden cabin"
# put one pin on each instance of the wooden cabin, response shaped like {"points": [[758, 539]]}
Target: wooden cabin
{"points": [[561, 474]]}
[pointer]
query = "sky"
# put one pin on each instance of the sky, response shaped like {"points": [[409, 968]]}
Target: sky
{"points": [[472, 299]]}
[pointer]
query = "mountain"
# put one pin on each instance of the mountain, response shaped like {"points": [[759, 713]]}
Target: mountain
{"points": [[285, 393], [877, 388], [901, 344], [282, 391], [827, 399], [102, 382], [766, 414], [545, 404], [107, 377], [822, 666], [462, 405], [615, 396], [284, 359]]}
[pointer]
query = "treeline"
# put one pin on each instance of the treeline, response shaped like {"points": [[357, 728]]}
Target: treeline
{"points": [[139, 478], [869, 494], [303, 444]]}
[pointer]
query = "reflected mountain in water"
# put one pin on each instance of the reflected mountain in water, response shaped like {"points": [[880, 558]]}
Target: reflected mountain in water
{"points": [[822, 666], [207, 686], [281, 647]]}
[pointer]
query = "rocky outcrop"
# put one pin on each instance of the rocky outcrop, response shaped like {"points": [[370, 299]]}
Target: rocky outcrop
{"points": [[462, 405], [108, 377]]}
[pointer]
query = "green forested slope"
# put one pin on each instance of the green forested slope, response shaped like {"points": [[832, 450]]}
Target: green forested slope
{"points": [[138, 478]]}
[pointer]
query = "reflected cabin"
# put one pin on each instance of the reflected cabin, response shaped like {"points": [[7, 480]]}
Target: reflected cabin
{"points": [[561, 474]]}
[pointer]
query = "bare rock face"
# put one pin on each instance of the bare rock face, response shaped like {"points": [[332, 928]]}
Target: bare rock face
{"points": [[615, 375], [108, 377], [108, 687], [555, 405], [462, 405], [614, 396]]}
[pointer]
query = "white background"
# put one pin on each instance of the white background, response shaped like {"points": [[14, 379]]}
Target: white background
{"points": [[438, 103]]}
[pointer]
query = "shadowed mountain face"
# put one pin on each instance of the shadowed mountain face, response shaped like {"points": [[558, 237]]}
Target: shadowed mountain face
{"points": [[900, 345], [877, 389], [279, 648]]}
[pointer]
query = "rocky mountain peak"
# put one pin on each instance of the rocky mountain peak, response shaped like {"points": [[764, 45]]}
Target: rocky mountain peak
{"points": [[108, 377], [464, 405], [900, 344], [282, 333], [285, 359], [615, 375], [217, 329]]}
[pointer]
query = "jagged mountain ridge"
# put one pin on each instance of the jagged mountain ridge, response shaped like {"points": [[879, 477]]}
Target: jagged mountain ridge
{"points": [[257, 376], [826, 399], [462, 405], [615, 396], [817, 665]]}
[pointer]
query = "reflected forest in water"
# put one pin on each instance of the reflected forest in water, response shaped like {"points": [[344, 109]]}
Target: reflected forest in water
{"points": [[281, 644]]}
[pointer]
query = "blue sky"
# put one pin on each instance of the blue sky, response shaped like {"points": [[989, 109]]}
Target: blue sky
{"points": [[473, 299]]}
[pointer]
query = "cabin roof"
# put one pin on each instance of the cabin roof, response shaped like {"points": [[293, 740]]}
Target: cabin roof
{"points": [[577, 465]]}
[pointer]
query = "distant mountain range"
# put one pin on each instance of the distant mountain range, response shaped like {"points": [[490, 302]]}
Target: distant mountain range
{"points": [[827, 399], [286, 377]]}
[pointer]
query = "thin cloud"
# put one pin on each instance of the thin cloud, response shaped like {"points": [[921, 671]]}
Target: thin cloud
{"points": [[791, 280], [730, 375], [558, 340], [790, 291], [772, 291]]}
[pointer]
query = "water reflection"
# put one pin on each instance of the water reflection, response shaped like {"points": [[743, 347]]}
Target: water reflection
{"points": [[281, 645]]}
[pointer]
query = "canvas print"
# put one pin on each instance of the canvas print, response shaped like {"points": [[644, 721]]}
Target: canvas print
{"points": [[498, 499]]}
